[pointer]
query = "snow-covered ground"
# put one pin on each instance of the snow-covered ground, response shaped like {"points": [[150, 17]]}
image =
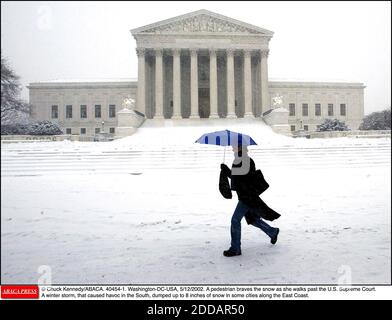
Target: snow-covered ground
{"points": [[146, 209]]}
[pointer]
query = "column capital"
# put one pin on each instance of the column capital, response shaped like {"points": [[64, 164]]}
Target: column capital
{"points": [[264, 53], [176, 51], [158, 51], [230, 51], [194, 51], [212, 51], [140, 52], [247, 52]]}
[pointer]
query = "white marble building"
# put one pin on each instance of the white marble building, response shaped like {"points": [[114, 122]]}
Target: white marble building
{"points": [[198, 65]]}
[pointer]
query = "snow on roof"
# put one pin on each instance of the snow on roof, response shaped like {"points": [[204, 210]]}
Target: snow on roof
{"points": [[312, 80], [317, 81], [280, 109], [88, 80]]}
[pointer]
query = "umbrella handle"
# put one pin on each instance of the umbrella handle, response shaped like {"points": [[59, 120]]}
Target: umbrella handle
{"points": [[224, 155]]}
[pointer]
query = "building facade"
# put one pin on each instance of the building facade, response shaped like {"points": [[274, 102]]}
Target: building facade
{"points": [[198, 65], [80, 107]]}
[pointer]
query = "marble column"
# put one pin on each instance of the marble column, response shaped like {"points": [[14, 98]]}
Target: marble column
{"points": [[230, 84], [176, 84], [247, 84], [158, 84], [213, 85], [265, 103], [194, 86], [141, 85]]}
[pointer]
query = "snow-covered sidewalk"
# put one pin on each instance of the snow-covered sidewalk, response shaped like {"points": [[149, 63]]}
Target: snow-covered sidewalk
{"points": [[167, 225]]}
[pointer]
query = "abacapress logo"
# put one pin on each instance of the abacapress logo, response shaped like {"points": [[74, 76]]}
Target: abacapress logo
{"points": [[19, 292]]}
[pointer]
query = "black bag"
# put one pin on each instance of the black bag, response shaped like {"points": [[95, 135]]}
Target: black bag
{"points": [[224, 186], [259, 183]]}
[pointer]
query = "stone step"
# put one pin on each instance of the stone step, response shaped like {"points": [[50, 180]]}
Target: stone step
{"points": [[364, 156], [193, 151], [163, 163], [141, 170]]}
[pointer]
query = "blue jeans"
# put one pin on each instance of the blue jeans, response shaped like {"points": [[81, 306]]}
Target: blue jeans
{"points": [[235, 229]]}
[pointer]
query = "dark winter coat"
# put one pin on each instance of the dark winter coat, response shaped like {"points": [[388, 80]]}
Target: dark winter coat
{"points": [[244, 185]]}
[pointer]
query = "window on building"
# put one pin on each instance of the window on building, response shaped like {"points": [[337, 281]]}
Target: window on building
{"points": [[306, 127], [55, 112], [68, 111], [305, 109], [292, 109], [83, 111], [292, 128], [112, 111], [82, 130], [68, 131], [111, 130], [317, 109], [97, 130], [343, 109], [97, 110], [330, 109]]}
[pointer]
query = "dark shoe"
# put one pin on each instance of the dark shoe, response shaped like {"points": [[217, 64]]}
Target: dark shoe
{"points": [[231, 253], [275, 238]]}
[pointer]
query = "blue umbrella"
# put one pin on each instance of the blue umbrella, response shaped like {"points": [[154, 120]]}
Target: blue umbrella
{"points": [[226, 138]]}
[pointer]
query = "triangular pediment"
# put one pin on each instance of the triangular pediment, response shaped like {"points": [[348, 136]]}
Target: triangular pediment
{"points": [[201, 21]]}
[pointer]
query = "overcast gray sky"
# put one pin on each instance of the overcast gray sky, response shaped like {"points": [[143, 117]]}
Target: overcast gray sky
{"points": [[312, 40]]}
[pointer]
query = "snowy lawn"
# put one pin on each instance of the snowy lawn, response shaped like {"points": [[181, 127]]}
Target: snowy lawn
{"points": [[171, 226]]}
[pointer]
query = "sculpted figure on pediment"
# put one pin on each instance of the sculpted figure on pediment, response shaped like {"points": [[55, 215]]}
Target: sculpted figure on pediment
{"points": [[201, 24]]}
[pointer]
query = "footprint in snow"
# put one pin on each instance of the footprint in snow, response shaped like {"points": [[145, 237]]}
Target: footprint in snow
{"points": [[143, 224]]}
